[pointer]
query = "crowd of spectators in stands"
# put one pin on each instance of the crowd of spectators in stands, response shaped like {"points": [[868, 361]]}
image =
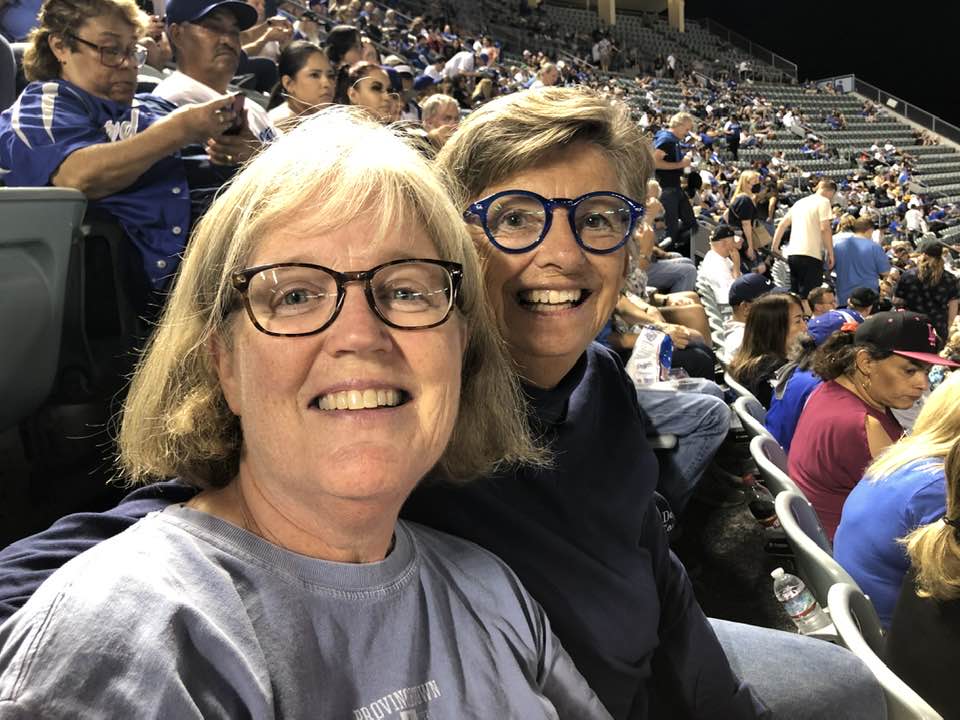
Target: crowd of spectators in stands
{"points": [[826, 355]]}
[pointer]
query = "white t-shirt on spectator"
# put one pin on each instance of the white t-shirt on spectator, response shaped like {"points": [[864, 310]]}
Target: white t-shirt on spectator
{"points": [[182, 89], [914, 219], [717, 271], [460, 63], [732, 339], [806, 216], [431, 72]]}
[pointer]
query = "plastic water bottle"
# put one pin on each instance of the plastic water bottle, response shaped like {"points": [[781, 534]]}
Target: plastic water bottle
{"points": [[799, 603]]}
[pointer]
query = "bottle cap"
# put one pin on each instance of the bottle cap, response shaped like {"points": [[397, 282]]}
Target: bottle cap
{"points": [[778, 573]]}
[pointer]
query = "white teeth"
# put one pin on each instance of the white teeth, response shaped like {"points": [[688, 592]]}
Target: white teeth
{"points": [[551, 297], [359, 399]]}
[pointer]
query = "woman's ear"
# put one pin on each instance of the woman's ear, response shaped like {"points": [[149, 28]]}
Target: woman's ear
{"points": [[222, 359], [58, 47], [285, 81]]}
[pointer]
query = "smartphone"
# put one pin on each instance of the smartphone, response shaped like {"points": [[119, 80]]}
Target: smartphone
{"points": [[237, 107]]}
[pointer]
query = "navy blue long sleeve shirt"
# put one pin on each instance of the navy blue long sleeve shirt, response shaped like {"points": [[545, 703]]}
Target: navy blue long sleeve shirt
{"points": [[583, 535]]}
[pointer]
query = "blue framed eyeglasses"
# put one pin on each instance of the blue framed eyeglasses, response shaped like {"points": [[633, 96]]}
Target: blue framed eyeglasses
{"points": [[516, 221]]}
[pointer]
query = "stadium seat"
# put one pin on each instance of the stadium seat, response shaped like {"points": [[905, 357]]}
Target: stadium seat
{"points": [[811, 547], [8, 75], [772, 461], [859, 629], [752, 415], [38, 229], [739, 389]]}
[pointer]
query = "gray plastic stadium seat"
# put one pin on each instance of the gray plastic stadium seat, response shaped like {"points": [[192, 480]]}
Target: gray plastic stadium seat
{"points": [[35, 237], [859, 629], [739, 389], [811, 547], [8, 75], [772, 461], [752, 415]]}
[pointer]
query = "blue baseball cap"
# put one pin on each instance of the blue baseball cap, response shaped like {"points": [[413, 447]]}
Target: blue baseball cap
{"points": [[823, 326], [184, 11]]}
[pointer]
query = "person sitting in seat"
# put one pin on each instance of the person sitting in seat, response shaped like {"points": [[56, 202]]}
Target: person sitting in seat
{"points": [[924, 638], [821, 300], [78, 125], [205, 36], [721, 264], [325, 347], [900, 491], [794, 382], [774, 323], [866, 371], [307, 83], [743, 292]]}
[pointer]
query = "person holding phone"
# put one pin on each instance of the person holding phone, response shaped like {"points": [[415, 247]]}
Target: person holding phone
{"points": [[206, 38]]}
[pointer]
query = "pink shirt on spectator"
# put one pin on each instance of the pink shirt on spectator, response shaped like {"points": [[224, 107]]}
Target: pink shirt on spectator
{"points": [[829, 452]]}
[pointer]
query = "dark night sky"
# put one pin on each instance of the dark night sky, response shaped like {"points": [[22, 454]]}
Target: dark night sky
{"points": [[885, 44]]}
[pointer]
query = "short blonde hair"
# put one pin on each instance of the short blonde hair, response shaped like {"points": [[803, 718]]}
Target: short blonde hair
{"points": [[517, 132], [176, 421], [63, 17], [434, 104], [682, 118]]}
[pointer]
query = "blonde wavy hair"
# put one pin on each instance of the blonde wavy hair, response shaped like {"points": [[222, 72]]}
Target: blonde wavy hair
{"points": [[936, 429], [176, 421], [517, 132], [934, 549], [745, 182]]}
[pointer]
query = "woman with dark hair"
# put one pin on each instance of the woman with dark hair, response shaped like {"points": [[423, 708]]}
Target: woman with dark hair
{"points": [[307, 82], [796, 380], [867, 371], [928, 289], [344, 46], [772, 325], [368, 86]]}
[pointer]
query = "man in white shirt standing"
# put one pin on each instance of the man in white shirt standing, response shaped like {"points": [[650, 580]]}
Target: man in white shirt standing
{"points": [[718, 269], [206, 37], [810, 239]]}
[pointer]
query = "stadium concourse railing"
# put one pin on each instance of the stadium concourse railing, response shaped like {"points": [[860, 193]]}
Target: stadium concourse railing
{"points": [[895, 104], [788, 68]]}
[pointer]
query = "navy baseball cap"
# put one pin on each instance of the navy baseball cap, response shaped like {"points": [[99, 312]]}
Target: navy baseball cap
{"points": [[749, 287], [823, 326], [904, 333], [184, 11]]}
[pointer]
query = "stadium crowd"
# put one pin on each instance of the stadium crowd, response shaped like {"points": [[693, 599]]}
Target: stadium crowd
{"points": [[535, 317]]}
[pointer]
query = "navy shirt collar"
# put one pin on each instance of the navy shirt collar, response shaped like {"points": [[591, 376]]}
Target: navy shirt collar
{"points": [[550, 405]]}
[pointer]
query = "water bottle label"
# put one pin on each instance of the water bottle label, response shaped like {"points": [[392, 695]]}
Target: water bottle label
{"points": [[800, 606]]}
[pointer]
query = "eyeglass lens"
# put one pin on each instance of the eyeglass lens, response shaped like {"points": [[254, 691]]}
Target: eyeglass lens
{"points": [[517, 221], [289, 299]]}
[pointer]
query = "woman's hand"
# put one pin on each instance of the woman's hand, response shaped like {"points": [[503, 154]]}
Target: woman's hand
{"points": [[200, 121], [680, 335]]}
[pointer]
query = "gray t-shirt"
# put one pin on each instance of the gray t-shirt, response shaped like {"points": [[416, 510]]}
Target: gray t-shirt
{"points": [[186, 616]]}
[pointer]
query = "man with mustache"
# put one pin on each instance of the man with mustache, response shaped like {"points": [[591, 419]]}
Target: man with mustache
{"points": [[205, 36]]}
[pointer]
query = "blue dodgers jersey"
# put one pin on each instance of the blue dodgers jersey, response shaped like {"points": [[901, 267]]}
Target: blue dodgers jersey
{"points": [[52, 119]]}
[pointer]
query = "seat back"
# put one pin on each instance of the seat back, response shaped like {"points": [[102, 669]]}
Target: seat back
{"points": [[8, 75], [38, 229], [811, 547], [859, 629], [751, 414], [739, 389], [772, 461]]}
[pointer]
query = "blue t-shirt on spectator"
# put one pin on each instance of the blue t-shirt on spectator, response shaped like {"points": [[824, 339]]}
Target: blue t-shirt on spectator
{"points": [[51, 120], [859, 263], [666, 141], [875, 514], [785, 407]]}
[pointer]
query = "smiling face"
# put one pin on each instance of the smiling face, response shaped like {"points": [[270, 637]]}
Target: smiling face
{"points": [[82, 67], [294, 394], [551, 302], [312, 86]]}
